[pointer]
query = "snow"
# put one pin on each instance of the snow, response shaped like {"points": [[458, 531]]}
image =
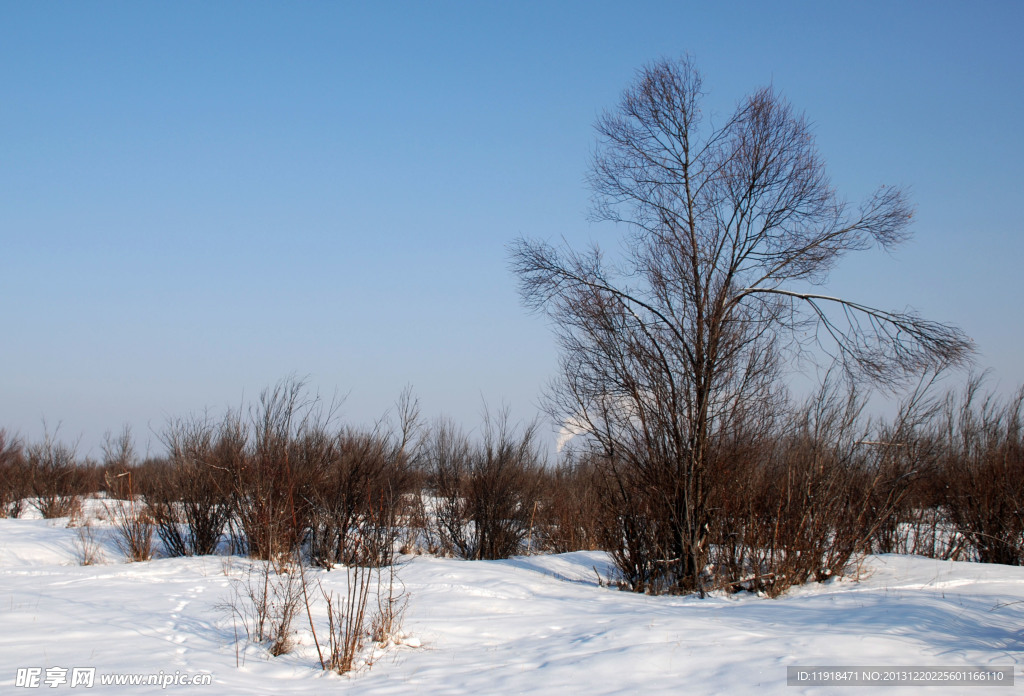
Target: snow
{"points": [[538, 625]]}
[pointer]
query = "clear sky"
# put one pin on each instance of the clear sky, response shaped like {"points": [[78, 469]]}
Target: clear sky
{"points": [[198, 199]]}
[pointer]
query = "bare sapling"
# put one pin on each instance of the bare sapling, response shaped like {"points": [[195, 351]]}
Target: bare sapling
{"points": [[350, 618], [87, 548], [131, 518], [346, 618], [266, 601], [392, 601]]}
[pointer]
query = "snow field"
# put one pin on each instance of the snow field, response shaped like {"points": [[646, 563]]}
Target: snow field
{"points": [[538, 625]]}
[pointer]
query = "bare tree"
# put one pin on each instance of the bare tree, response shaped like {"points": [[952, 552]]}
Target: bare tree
{"points": [[731, 229]]}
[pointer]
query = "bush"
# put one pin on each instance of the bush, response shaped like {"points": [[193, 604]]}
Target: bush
{"points": [[487, 494], [361, 482], [131, 519], [792, 497], [981, 465], [798, 505], [14, 476], [273, 481], [193, 487], [572, 514], [55, 481]]}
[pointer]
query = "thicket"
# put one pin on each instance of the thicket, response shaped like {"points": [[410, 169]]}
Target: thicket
{"points": [[796, 493]]}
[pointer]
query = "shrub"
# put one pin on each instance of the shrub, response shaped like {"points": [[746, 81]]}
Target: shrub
{"points": [[193, 487], [267, 601], [573, 513], [54, 480], [14, 476], [793, 494], [981, 462], [273, 478], [131, 519], [486, 493], [359, 484]]}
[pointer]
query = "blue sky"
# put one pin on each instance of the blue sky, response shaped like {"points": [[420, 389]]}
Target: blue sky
{"points": [[198, 199]]}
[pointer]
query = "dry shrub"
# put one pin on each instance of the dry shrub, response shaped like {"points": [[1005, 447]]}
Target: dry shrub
{"points": [[965, 500], [14, 476], [296, 485], [420, 530], [134, 529], [795, 495], [87, 548], [572, 514], [922, 525], [55, 481], [274, 592], [446, 457], [801, 504], [160, 489], [486, 493], [189, 495], [91, 476], [792, 496], [267, 601], [360, 482], [268, 486], [640, 532], [912, 448], [350, 618], [392, 601], [794, 517], [981, 464], [346, 619], [131, 519], [279, 481]]}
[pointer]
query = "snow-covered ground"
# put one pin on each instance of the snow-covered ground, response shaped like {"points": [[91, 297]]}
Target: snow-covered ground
{"points": [[539, 624]]}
